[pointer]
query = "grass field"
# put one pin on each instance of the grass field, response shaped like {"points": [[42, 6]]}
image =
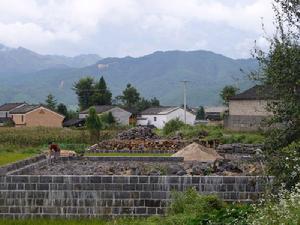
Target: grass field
{"points": [[214, 132]]}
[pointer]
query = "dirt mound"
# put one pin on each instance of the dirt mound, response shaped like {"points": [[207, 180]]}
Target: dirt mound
{"points": [[196, 152]]}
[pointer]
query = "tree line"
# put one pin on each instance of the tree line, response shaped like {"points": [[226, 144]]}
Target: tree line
{"points": [[90, 92]]}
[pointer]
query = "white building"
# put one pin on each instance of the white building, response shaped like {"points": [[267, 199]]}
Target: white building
{"points": [[121, 116], [159, 116]]}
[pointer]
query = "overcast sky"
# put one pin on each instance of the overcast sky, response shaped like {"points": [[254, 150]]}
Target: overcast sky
{"points": [[134, 27]]}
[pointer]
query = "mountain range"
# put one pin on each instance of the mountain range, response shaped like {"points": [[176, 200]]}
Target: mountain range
{"points": [[29, 76]]}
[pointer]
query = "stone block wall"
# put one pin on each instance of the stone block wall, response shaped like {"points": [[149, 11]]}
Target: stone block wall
{"points": [[94, 196]]}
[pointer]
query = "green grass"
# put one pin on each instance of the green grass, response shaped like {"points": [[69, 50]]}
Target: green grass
{"points": [[12, 153], [212, 132], [128, 154], [10, 157]]}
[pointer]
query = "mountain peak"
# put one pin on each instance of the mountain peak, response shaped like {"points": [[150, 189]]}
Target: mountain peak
{"points": [[4, 48]]}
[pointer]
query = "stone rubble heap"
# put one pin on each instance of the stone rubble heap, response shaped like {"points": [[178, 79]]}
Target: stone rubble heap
{"points": [[138, 133], [143, 145], [238, 148]]}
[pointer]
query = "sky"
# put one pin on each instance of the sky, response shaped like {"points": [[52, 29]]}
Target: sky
{"points": [[119, 28]]}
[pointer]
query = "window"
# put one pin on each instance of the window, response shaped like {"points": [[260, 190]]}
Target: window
{"points": [[22, 118], [155, 118], [6, 114]]}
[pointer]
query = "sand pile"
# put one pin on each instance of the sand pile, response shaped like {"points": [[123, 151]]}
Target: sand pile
{"points": [[196, 152]]}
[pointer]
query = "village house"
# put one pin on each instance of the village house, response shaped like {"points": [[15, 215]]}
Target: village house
{"points": [[5, 109], [159, 116], [248, 109], [121, 116], [36, 115]]}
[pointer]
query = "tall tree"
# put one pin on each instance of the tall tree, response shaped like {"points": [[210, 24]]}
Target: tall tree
{"points": [[51, 102], [93, 124], [130, 96], [84, 90], [62, 109], [200, 113], [102, 95], [227, 92], [280, 70]]}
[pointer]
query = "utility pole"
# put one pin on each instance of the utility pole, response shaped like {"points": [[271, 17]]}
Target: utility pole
{"points": [[184, 98]]}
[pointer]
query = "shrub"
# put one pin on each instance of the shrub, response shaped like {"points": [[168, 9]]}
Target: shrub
{"points": [[93, 124], [172, 126], [285, 165], [192, 208], [107, 118], [283, 208]]}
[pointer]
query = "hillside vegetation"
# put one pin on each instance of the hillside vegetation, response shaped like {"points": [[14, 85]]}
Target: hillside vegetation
{"points": [[155, 75]]}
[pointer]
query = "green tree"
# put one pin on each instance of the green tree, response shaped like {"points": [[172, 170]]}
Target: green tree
{"points": [[280, 71], [154, 102], [101, 96], [172, 126], [108, 118], [130, 96], [62, 109], [51, 102], [84, 90], [93, 124], [227, 92], [200, 113]]}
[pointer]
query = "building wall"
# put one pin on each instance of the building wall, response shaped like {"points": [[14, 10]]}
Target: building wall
{"points": [[159, 121], [244, 123], [248, 108], [121, 115], [4, 114], [156, 120], [179, 113], [19, 119], [39, 117], [246, 115]]}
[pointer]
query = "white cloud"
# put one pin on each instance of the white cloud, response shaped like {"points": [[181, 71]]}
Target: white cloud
{"points": [[130, 26]]}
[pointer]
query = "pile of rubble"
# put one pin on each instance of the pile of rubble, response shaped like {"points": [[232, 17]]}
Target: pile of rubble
{"points": [[138, 133], [238, 148], [138, 144]]}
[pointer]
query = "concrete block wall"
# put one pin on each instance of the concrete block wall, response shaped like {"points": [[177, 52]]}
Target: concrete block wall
{"points": [[243, 123], [94, 196]]}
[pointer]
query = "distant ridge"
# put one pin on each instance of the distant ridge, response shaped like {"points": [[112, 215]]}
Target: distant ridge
{"points": [[28, 76]]}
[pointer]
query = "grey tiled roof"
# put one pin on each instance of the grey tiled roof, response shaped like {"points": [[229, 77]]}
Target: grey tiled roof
{"points": [[24, 109], [257, 92], [101, 109], [161, 110], [10, 106]]}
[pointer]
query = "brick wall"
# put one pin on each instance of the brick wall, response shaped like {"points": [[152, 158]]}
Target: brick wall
{"points": [[91, 196]]}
